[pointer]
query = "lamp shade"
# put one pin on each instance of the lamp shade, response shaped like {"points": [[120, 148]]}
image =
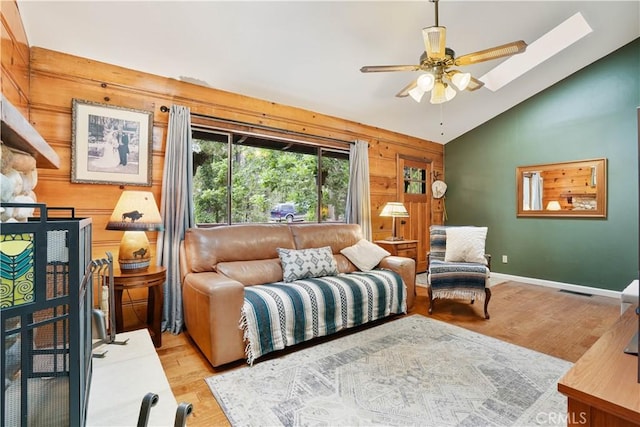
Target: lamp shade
{"points": [[460, 80], [416, 93], [438, 93], [394, 209], [136, 212], [553, 205], [425, 82]]}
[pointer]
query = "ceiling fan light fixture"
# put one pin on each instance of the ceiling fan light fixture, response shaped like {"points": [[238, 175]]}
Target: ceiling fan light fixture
{"points": [[438, 93], [460, 80], [426, 81], [434, 42], [449, 92], [416, 93]]}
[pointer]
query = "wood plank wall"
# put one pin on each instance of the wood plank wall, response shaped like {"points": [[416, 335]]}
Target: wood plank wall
{"points": [[15, 57], [561, 184], [56, 78]]}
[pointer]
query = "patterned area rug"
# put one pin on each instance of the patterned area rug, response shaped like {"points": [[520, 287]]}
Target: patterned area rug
{"points": [[410, 371]]}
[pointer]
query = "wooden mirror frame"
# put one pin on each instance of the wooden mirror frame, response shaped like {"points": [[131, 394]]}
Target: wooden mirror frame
{"points": [[579, 187]]}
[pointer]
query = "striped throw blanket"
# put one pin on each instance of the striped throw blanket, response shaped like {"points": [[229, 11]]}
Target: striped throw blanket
{"points": [[281, 314], [457, 279]]}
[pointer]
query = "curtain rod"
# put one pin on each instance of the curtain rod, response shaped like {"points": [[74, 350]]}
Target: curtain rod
{"points": [[165, 109]]}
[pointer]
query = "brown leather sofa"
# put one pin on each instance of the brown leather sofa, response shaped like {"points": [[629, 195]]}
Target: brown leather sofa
{"points": [[217, 263]]}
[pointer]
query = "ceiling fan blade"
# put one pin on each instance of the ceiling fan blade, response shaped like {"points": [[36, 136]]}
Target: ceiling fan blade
{"points": [[474, 84], [405, 91], [435, 39], [383, 68], [508, 49]]}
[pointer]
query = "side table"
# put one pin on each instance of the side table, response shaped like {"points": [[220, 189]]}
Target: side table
{"points": [[153, 278], [405, 248]]}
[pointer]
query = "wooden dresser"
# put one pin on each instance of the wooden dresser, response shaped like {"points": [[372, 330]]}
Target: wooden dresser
{"points": [[602, 387]]}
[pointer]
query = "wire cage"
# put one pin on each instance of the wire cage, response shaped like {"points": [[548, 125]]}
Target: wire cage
{"points": [[46, 318]]}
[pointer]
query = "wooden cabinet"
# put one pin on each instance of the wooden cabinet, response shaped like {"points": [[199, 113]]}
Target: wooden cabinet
{"points": [[405, 248], [602, 387]]}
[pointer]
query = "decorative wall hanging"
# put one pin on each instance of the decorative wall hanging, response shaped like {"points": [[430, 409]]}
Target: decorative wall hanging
{"points": [[110, 144]]}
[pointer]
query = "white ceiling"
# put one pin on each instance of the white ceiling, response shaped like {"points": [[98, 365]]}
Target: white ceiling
{"points": [[308, 54]]}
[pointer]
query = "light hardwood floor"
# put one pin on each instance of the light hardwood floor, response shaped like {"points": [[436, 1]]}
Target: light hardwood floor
{"points": [[557, 323]]}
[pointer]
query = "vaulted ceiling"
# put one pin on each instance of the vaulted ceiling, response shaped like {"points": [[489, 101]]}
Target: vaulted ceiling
{"points": [[308, 54]]}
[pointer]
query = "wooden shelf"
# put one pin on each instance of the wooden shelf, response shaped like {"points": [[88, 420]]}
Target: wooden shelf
{"points": [[591, 195], [18, 133]]}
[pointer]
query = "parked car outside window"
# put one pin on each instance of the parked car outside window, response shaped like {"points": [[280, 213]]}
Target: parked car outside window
{"points": [[285, 212]]}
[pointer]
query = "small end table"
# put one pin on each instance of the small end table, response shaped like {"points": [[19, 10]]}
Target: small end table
{"points": [[153, 279], [404, 248]]}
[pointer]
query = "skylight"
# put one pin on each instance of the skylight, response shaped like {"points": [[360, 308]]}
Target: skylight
{"points": [[556, 40]]}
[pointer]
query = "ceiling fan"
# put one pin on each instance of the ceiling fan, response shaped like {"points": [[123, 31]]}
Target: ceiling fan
{"points": [[436, 62]]}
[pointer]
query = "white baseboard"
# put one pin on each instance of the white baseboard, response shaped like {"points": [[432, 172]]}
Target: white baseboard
{"points": [[500, 277]]}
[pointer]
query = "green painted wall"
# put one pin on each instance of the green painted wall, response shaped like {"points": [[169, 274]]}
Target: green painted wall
{"points": [[591, 114]]}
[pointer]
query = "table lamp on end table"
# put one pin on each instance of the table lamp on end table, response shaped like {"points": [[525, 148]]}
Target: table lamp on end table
{"points": [[394, 210], [136, 213]]}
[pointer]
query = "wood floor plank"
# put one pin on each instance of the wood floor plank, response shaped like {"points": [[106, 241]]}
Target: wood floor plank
{"points": [[556, 323]]}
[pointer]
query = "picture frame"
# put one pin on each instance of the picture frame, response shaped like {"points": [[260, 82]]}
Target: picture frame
{"points": [[111, 144]]}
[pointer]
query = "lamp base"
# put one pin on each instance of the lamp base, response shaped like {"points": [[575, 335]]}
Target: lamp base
{"points": [[127, 266], [134, 254]]}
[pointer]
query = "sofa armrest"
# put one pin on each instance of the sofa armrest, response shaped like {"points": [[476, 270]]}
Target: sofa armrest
{"points": [[406, 268], [212, 308]]}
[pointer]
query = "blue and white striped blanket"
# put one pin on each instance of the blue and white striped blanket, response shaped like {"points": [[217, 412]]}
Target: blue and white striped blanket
{"points": [[281, 314]]}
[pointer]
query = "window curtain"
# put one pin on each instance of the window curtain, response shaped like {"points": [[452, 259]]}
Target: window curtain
{"points": [[536, 191], [176, 210], [358, 197]]}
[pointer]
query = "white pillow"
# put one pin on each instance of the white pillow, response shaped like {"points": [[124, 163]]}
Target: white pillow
{"points": [[364, 254], [465, 244]]}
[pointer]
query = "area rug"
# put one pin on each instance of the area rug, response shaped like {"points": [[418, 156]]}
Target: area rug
{"points": [[413, 371]]}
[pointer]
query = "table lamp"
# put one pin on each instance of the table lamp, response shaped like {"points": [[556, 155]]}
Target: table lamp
{"points": [[136, 213], [554, 205], [394, 210]]}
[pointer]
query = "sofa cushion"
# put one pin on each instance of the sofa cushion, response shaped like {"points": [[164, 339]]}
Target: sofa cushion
{"points": [[365, 255], [206, 247], [251, 273], [337, 236], [307, 263], [466, 244]]}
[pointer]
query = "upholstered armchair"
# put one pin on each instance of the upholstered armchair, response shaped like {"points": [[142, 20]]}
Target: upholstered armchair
{"points": [[457, 265]]}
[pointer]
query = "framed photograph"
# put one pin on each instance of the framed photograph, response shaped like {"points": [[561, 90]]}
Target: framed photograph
{"points": [[110, 144]]}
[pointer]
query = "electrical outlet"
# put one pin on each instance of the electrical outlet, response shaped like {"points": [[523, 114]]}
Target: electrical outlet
{"points": [[505, 259]]}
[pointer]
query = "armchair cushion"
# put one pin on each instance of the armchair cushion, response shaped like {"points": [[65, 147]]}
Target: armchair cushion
{"points": [[465, 244]]}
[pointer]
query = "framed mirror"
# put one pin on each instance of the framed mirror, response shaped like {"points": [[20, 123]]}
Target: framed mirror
{"points": [[567, 189]]}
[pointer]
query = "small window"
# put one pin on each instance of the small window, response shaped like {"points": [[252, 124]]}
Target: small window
{"points": [[415, 180]]}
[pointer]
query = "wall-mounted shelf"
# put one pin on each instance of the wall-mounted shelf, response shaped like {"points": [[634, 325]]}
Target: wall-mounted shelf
{"points": [[18, 133], [585, 195]]}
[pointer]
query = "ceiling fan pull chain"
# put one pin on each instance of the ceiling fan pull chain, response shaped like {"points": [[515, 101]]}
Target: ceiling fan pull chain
{"points": [[441, 118]]}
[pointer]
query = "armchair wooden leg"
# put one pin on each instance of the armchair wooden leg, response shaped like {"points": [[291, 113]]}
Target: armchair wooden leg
{"points": [[487, 297], [430, 299]]}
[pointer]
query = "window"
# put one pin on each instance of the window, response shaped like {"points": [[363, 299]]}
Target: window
{"points": [[243, 178]]}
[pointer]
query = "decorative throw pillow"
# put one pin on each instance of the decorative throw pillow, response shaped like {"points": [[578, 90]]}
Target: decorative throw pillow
{"points": [[364, 254], [466, 244], [307, 263]]}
